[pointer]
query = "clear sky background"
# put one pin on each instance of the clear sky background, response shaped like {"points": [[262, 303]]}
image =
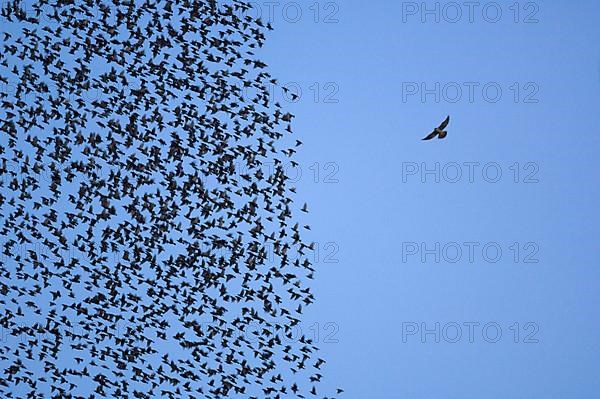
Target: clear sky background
{"points": [[361, 68], [372, 57]]}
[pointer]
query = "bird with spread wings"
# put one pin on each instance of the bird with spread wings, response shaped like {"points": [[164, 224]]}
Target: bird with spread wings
{"points": [[439, 131]]}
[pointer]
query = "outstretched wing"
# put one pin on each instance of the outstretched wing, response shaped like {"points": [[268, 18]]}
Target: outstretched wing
{"points": [[431, 135], [445, 123]]}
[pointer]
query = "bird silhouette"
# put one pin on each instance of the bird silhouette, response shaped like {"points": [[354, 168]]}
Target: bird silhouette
{"points": [[439, 131]]}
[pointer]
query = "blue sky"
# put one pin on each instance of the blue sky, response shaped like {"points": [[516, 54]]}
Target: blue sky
{"points": [[389, 212], [369, 59]]}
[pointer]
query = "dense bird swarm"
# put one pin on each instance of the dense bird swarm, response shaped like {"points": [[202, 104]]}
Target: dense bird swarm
{"points": [[149, 244]]}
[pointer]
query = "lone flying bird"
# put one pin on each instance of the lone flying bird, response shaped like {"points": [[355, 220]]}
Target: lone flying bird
{"points": [[439, 131]]}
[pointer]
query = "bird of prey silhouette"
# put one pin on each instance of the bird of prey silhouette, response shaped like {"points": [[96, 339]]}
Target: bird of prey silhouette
{"points": [[439, 131]]}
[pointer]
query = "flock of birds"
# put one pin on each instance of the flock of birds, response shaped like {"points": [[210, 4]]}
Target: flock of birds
{"points": [[147, 251]]}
